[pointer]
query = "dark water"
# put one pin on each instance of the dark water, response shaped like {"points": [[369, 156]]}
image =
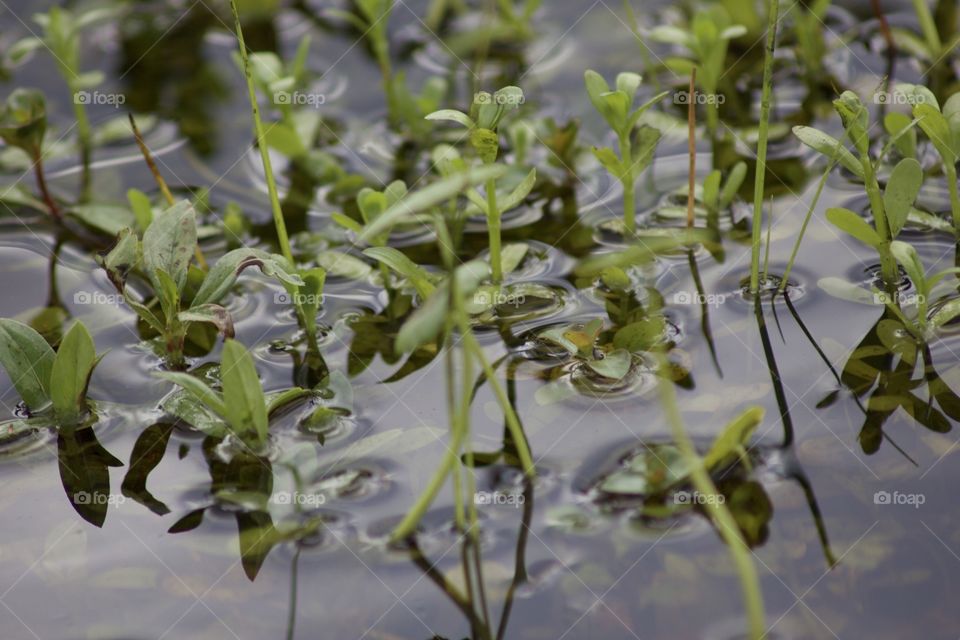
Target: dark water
{"points": [[568, 563]]}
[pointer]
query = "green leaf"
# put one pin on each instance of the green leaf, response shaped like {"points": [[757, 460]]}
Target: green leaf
{"points": [[945, 314], [734, 437], [196, 389], [732, 185], [711, 189], [614, 365], [426, 323], [142, 210], [406, 267], [851, 223], [285, 140], [608, 158], [452, 115], [512, 256], [343, 265], [242, 394], [669, 34], [521, 191], [224, 273], [169, 243], [428, 197], [212, 314], [598, 89], [70, 374], [28, 361], [898, 126], [486, 142], [901, 191], [829, 146], [106, 218], [639, 336], [124, 256], [23, 120], [937, 129], [628, 83], [907, 256], [843, 290]]}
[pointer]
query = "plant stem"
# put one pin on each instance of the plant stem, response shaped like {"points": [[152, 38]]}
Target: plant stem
{"points": [[719, 512], [774, 11], [278, 221], [42, 185], [888, 264], [161, 183], [84, 138], [927, 27], [513, 423], [691, 149], [493, 231], [951, 173], [629, 186], [806, 221]]}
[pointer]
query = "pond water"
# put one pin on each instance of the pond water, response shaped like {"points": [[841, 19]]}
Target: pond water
{"points": [[563, 557]]}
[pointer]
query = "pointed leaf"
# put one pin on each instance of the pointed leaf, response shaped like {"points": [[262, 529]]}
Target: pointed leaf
{"points": [[28, 360]]}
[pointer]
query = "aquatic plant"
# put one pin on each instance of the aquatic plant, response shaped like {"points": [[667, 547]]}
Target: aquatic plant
{"points": [[240, 407], [486, 115], [889, 207], [635, 149], [61, 37], [773, 10], [941, 125], [706, 40], [52, 384], [163, 257], [23, 124]]}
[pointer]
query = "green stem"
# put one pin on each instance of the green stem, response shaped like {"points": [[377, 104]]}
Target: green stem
{"points": [[84, 138], [719, 512], [888, 264], [928, 27], [629, 185], [278, 221], [513, 423], [493, 231], [951, 174], [773, 11]]}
